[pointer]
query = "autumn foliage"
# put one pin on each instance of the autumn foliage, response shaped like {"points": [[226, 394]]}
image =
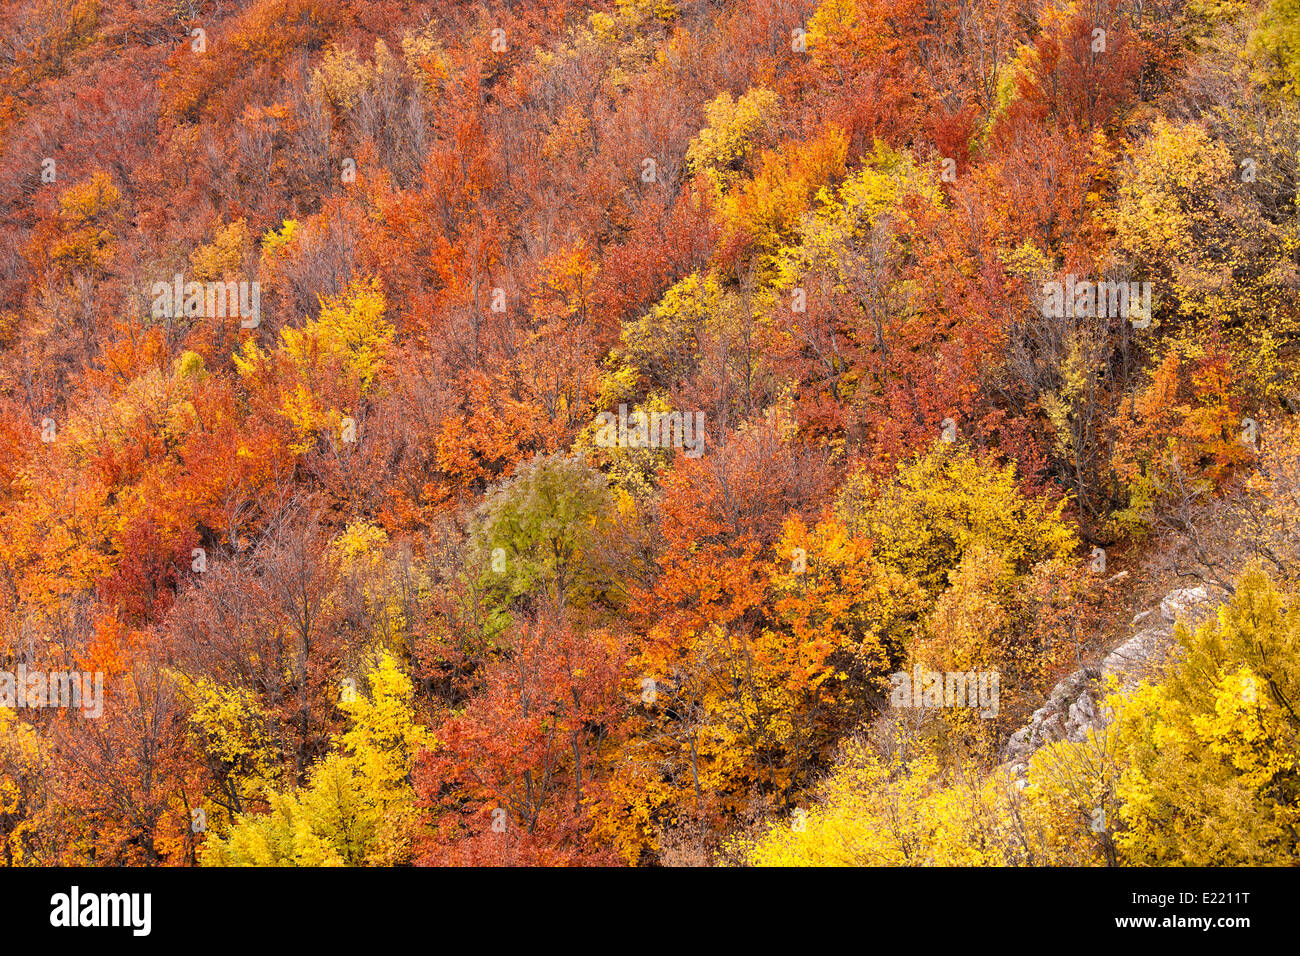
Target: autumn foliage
{"points": [[364, 576]]}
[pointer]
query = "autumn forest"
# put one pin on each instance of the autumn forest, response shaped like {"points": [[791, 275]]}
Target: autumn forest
{"points": [[655, 433]]}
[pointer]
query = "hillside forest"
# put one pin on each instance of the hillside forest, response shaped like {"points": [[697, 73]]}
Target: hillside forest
{"points": [[647, 432]]}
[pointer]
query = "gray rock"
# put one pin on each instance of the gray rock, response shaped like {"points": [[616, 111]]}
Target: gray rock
{"points": [[1072, 708], [1178, 603]]}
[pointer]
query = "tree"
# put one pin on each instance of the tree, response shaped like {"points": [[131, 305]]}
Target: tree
{"points": [[938, 506], [1210, 775], [358, 805], [1277, 42], [535, 536], [513, 774]]}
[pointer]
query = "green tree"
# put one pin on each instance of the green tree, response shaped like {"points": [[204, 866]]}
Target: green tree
{"points": [[537, 535]]}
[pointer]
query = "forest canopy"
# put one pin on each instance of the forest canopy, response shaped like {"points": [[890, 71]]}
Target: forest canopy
{"points": [[648, 432]]}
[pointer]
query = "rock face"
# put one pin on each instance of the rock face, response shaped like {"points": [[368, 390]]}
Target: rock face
{"points": [[1073, 706]]}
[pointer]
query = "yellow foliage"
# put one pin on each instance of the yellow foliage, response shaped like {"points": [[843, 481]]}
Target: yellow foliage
{"points": [[230, 732], [1184, 221], [893, 813], [88, 211], [223, 256], [843, 223], [830, 23], [768, 209], [1210, 775], [732, 128], [358, 807], [22, 768], [340, 353], [277, 243], [938, 506]]}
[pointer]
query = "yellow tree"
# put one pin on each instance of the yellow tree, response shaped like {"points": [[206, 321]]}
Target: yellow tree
{"points": [[1211, 775], [359, 805]]}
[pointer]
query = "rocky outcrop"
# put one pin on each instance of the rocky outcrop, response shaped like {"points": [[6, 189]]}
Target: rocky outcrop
{"points": [[1074, 706]]}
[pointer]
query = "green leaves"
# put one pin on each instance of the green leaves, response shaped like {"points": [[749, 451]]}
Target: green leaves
{"points": [[537, 536]]}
